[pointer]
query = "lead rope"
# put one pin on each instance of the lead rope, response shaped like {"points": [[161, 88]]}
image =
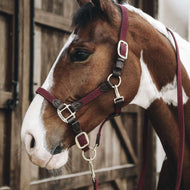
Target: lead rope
{"points": [[180, 117], [145, 144], [93, 152], [180, 124]]}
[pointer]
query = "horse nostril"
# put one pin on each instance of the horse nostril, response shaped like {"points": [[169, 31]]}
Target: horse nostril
{"points": [[57, 150], [32, 143]]}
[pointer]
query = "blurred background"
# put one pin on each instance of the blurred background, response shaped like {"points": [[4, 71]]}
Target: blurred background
{"points": [[32, 32]]}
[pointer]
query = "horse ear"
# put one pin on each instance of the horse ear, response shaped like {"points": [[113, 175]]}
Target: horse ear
{"points": [[106, 6], [82, 2], [103, 4]]}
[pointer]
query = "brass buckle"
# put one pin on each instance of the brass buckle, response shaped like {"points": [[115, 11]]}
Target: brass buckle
{"points": [[67, 108], [77, 141]]}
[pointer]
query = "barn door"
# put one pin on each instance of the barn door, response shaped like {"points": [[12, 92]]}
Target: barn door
{"points": [[13, 84], [6, 93]]}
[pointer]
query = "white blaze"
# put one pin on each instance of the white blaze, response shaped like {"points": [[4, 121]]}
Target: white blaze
{"points": [[33, 126]]}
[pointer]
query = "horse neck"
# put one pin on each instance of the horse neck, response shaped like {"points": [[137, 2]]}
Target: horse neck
{"points": [[157, 61], [157, 92]]}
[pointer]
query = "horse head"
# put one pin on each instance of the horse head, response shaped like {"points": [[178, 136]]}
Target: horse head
{"points": [[85, 62]]}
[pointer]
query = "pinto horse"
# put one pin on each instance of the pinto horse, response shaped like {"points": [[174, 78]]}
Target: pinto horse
{"points": [[148, 80]]}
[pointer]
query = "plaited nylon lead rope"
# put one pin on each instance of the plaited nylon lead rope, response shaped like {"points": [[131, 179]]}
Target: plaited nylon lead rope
{"points": [[180, 117], [145, 144], [180, 125]]}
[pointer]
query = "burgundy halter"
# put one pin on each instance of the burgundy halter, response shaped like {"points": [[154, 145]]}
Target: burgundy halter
{"points": [[81, 139]]}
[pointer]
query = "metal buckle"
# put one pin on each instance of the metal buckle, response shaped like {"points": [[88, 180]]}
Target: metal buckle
{"points": [[65, 119], [77, 141], [119, 49]]}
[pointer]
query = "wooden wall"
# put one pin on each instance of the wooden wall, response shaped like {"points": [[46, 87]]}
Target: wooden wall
{"points": [[120, 155]]}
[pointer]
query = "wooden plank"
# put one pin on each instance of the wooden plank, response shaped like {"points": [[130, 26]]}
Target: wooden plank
{"points": [[6, 133], [69, 8], [24, 53], [4, 96], [118, 184], [2, 133], [108, 150], [82, 179], [5, 52], [5, 188], [117, 149], [7, 6], [37, 58], [125, 137], [130, 109], [52, 20]]}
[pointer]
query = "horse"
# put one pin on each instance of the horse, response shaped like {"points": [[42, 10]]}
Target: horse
{"points": [[148, 79]]}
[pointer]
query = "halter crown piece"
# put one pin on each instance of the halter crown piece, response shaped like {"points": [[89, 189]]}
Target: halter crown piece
{"points": [[81, 138]]}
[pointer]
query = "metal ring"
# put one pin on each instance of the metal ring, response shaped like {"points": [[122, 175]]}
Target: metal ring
{"points": [[93, 150], [114, 85]]}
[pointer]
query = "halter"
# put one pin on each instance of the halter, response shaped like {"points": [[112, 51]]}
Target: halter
{"points": [[67, 112]]}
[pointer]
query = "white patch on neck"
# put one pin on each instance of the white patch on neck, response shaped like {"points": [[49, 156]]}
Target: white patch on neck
{"points": [[148, 93], [169, 93], [49, 80]]}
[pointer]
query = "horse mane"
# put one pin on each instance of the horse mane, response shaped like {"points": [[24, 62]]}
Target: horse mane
{"points": [[86, 14], [89, 13]]}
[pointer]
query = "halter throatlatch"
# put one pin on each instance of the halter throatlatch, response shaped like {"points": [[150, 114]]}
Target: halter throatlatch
{"points": [[67, 112]]}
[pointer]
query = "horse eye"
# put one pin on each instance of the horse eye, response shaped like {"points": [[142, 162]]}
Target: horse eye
{"points": [[79, 55]]}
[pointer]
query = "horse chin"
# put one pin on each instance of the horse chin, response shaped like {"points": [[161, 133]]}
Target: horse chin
{"points": [[57, 161]]}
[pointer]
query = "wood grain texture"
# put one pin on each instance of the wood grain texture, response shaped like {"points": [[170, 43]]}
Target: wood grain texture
{"points": [[82, 179], [52, 20], [7, 6]]}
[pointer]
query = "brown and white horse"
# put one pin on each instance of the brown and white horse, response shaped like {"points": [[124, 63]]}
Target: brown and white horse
{"points": [[148, 80]]}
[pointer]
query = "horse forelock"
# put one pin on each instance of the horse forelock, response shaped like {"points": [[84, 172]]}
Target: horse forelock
{"points": [[90, 12], [86, 14]]}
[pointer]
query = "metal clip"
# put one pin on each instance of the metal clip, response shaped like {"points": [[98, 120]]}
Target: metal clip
{"points": [[89, 159], [92, 152], [117, 94]]}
